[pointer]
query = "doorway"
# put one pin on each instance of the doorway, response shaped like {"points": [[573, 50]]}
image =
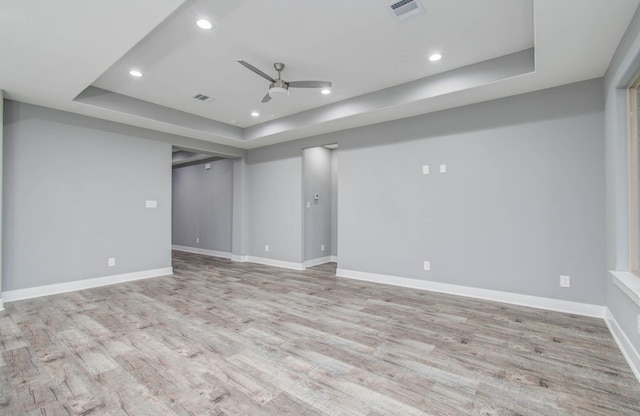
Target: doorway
{"points": [[320, 204]]}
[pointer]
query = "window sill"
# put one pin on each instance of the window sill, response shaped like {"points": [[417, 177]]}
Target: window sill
{"points": [[629, 283]]}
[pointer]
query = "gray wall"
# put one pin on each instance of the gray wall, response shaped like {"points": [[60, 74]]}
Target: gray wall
{"points": [[317, 216], [1, 184], [275, 196], [334, 202], [202, 206], [625, 64], [521, 203], [74, 195]]}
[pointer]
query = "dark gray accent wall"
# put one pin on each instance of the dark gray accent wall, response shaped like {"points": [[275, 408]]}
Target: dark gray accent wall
{"points": [[202, 206], [74, 196], [624, 66], [521, 202], [317, 212]]}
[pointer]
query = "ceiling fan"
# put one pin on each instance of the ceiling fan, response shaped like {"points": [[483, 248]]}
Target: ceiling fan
{"points": [[279, 86]]}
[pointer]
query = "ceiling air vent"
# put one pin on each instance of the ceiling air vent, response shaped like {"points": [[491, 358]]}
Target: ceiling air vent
{"points": [[404, 9], [202, 97]]}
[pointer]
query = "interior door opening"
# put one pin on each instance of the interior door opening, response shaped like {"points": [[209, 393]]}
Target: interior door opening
{"points": [[320, 205]]}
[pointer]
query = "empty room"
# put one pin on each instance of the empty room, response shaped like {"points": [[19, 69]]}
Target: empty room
{"points": [[362, 207]]}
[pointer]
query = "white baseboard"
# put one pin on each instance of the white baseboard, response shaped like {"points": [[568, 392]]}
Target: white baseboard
{"points": [[625, 345], [557, 305], [1, 305], [276, 263], [206, 252], [241, 259], [317, 262], [334, 259], [35, 292]]}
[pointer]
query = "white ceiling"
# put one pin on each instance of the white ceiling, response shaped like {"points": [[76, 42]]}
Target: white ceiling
{"points": [[75, 56]]}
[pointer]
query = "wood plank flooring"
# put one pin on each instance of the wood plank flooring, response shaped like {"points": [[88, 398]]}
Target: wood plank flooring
{"points": [[223, 338]]}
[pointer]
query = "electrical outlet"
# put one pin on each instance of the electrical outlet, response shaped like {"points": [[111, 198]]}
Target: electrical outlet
{"points": [[266, 247], [565, 281], [111, 262], [321, 247], [197, 239], [425, 169], [443, 168], [427, 265]]}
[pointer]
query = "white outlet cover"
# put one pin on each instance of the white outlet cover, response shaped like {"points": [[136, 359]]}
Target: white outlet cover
{"points": [[427, 265], [425, 169], [443, 168], [322, 247], [266, 247], [111, 262], [151, 204], [308, 204], [565, 281]]}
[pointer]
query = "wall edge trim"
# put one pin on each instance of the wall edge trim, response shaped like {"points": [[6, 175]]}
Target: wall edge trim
{"points": [[58, 288], [276, 263], [318, 261], [204, 251], [624, 344], [556, 305]]}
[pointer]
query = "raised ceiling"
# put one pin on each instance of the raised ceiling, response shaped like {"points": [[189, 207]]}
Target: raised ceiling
{"points": [[75, 56]]}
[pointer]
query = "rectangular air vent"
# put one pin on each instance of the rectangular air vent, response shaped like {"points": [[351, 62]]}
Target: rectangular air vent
{"points": [[202, 97], [404, 9]]}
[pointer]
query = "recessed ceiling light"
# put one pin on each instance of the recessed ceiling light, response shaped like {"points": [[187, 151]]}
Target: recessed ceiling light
{"points": [[326, 91], [255, 114], [135, 73], [435, 57], [204, 24]]}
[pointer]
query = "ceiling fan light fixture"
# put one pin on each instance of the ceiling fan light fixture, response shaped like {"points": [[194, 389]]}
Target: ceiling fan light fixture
{"points": [[435, 57], [275, 92], [325, 91]]}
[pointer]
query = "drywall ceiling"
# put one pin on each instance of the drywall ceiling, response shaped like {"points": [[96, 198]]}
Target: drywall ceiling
{"points": [[76, 56]]}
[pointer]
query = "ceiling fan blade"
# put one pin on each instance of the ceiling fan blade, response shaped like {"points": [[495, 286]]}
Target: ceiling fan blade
{"points": [[256, 70], [310, 84], [266, 98]]}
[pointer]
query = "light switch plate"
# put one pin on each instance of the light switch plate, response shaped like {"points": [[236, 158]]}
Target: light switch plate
{"points": [[425, 169], [565, 281], [151, 204], [443, 168]]}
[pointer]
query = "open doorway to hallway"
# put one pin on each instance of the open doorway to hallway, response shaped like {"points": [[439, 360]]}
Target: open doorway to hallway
{"points": [[320, 205], [202, 203]]}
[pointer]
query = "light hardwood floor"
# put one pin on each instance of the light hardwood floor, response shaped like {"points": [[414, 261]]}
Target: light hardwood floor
{"points": [[223, 338]]}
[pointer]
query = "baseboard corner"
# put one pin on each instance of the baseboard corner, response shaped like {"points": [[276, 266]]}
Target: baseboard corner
{"points": [[624, 344]]}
